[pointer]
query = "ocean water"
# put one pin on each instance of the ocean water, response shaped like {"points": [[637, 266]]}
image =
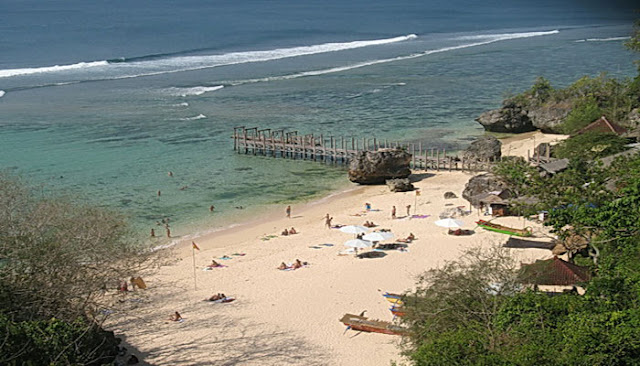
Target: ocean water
{"points": [[102, 99]]}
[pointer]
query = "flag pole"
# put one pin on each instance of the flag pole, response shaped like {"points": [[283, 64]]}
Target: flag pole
{"points": [[193, 254]]}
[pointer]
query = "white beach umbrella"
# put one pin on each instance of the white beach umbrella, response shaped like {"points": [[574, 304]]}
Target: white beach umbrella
{"points": [[449, 222], [354, 229], [358, 243], [378, 236]]}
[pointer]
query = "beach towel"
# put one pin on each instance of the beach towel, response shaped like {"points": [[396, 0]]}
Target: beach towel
{"points": [[268, 237], [222, 301], [419, 216], [327, 245], [225, 257], [315, 247]]}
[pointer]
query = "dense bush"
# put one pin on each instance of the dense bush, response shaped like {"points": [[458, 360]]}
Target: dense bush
{"points": [[54, 342], [583, 113], [589, 146]]}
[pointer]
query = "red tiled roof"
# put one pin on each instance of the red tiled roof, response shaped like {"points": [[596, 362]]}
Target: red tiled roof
{"points": [[554, 271]]}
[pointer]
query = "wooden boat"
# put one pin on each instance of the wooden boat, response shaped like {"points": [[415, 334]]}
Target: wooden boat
{"points": [[504, 229], [393, 298], [365, 324]]}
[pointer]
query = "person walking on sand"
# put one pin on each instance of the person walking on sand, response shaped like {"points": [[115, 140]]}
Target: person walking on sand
{"points": [[288, 211], [327, 221], [393, 212], [408, 210]]}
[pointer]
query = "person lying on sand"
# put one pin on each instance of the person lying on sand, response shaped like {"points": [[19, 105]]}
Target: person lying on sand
{"points": [[292, 231], [214, 264], [408, 239], [218, 296], [297, 264], [175, 317], [283, 266], [369, 224], [284, 232]]}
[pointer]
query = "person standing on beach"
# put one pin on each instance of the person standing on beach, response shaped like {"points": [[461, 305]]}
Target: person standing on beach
{"points": [[393, 212], [408, 210], [288, 211], [367, 206], [211, 208], [153, 233]]}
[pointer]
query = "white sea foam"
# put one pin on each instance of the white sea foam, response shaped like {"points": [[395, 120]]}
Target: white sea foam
{"points": [[505, 36], [2, 93], [196, 90], [127, 70], [194, 118], [49, 69], [603, 39], [183, 104], [484, 40]]}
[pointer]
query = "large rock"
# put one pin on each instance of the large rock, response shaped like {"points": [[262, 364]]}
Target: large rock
{"points": [[484, 148], [375, 167], [400, 185], [549, 117], [513, 117], [483, 183], [510, 118]]}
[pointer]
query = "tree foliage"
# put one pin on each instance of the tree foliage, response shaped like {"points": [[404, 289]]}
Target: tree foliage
{"points": [[590, 146], [58, 262]]}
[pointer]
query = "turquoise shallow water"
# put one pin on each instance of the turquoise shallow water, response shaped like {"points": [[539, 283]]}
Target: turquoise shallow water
{"points": [[109, 135]]}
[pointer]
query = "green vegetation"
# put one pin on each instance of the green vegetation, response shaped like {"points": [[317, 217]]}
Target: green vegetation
{"points": [[471, 311], [459, 315], [58, 260], [589, 146]]}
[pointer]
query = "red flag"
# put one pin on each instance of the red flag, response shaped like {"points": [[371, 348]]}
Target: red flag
{"points": [[193, 243]]}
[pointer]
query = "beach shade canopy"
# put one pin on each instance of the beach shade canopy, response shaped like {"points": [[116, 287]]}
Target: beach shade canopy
{"points": [[378, 236], [354, 229], [449, 222], [358, 243]]}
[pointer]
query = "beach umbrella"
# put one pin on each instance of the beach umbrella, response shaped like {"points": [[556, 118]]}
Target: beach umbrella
{"points": [[354, 229], [449, 222], [378, 236], [358, 243]]}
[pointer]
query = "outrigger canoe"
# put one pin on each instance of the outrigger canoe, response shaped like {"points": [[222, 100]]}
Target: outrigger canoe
{"points": [[504, 229], [398, 310], [365, 324], [393, 298]]}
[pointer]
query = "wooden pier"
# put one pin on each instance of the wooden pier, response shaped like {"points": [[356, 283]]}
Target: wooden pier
{"points": [[340, 150]]}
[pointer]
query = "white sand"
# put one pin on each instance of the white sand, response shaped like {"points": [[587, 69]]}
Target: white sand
{"points": [[291, 317]]}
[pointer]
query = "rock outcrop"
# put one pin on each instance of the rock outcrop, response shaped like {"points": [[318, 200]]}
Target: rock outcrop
{"points": [[484, 148], [400, 185], [375, 167], [510, 118], [514, 117], [483, 183]]}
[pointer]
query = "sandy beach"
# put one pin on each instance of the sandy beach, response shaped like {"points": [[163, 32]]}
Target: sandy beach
{"points": [[291, 317]]}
